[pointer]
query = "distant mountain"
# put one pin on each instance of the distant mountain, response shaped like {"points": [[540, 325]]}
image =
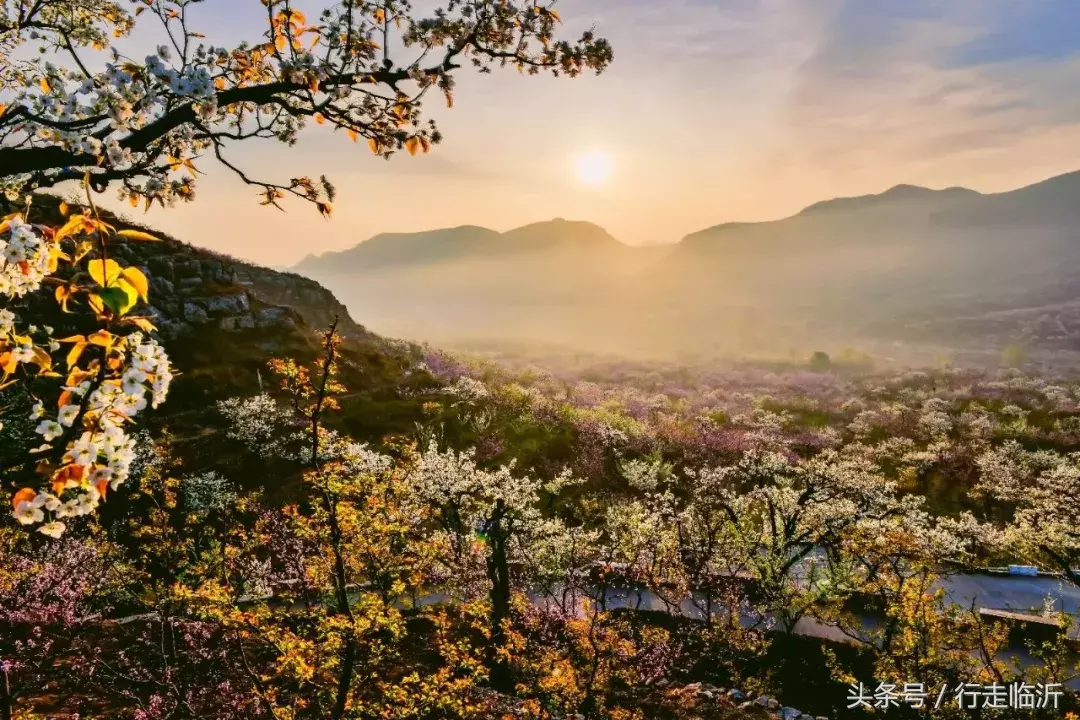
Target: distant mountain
{"points": [[952, 267], [468, 241]]}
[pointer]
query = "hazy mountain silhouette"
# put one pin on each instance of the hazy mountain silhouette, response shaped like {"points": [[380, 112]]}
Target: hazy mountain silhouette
{"points": [[951, 266], [435, 246]]}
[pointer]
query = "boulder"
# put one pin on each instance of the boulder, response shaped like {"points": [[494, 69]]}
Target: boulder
{"points": [[224, 305], [160, 286], [195, 314], [274, 316], [161, 266], [188, 268]]}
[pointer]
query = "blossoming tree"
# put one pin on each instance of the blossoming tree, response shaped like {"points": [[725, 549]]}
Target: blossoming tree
{"points": [[361, 67], [81, 109]]}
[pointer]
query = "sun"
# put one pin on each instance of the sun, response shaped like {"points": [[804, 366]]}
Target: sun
{"points": [[594, 168]]}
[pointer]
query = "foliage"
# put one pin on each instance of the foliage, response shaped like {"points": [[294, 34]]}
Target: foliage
{"points": [[360, 67]]}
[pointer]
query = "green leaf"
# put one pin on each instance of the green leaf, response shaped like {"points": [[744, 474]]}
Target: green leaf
{"points": [[120, 298]]}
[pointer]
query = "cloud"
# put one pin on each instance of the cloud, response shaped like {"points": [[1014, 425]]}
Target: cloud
{"points": [[930, 89]]}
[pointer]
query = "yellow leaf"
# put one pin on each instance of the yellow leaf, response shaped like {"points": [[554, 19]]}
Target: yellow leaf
{"points": [[104, 271], [64, 209], [130, 293], [319, 118], [137, 235], [74, 353], [137, 280], [42, 359], [219, 83], [142, 323], [412, 145], [374, 145], [74, 223], [63, 294], [44, 85], [102, 338]]}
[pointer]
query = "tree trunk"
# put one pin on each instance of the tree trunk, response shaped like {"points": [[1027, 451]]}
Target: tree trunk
{"points": [[6, 700], [499, 575]]}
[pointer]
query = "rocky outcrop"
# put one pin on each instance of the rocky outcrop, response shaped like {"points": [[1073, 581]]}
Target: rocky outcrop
{"points": [[194, 288]]}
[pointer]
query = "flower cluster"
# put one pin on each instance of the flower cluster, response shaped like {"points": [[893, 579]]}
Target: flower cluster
{"points": [[25, 259], [111, 377]]}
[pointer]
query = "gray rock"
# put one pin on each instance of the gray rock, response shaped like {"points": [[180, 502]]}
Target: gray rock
{"points": [[790, 713], [223, 305], [736, 695], [245, 322], [188, 268], [271, 316], [189, 283], [160, 286], [161, 266], [195, 314], [763, 700]]}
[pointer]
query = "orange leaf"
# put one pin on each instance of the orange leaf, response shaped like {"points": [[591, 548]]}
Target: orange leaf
{"points": [[412, 145], [104, 338], [24, 495], [352, 134]]}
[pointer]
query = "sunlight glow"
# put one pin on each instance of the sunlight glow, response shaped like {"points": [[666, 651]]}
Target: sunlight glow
{"points": [[594, 168]]}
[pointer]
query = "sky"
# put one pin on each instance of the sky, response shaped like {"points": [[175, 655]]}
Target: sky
{"points": [[713, 111]]}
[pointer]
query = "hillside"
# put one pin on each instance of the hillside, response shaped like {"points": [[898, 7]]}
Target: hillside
{"points": [[222, 319], [949, 270]]}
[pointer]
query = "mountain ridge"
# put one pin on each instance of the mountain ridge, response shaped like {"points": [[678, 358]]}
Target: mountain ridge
{"points": [[470, 240], [921, 264]]}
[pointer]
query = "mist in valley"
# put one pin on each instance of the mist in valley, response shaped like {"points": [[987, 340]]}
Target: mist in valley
{"points": [[908, 275]]}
